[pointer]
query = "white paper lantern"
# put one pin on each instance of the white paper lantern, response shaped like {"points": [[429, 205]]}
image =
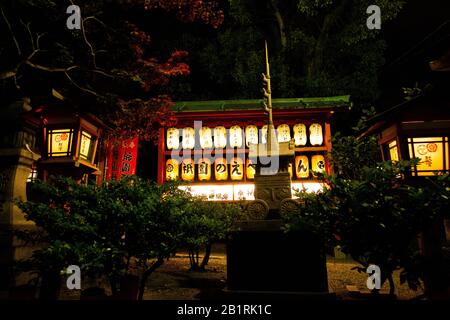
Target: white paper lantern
{"points": [[251, 135], [221, 169], [206, 138], [173, 138], [236, 137], [204, 169], [318, 164], [187, 170], [188, 138], [300, 135], [301, 167], [172, 169], [237, 169], [284, 133], [264, 134], [220, 137], [315, 134]]}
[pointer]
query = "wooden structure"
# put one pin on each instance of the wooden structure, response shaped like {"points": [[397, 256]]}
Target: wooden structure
{"points": [[216, 136]]}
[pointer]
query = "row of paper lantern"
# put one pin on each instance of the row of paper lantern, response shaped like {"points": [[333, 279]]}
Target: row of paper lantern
{"points": [[219, 134], [235, 169]]}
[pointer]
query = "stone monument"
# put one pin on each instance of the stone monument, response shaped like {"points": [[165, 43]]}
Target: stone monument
{"points": [[261, 258]]}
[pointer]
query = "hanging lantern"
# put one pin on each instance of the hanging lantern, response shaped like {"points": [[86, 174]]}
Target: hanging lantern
{"points": [[300, 135], [204, 169], [264, 134], [237, 169], [318, 164], [206, 138], [188, 138], [220, 137], [187, 170], [171, 170], [173, 138], [221, 169], [250, 169], [284, 133], [69, 143], [315, 134], [235, 137], [251, 135], [302, 167]]}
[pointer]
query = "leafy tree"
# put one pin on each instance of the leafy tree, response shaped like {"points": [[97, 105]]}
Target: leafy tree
{"points": [[204, 223], [121, 229], [317, 48], [350, 155], [374, 213], [107, 67], [380, 216]]}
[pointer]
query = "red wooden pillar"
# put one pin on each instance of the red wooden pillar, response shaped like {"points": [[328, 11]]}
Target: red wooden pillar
{"points": [[161, 156], [327, 139]]}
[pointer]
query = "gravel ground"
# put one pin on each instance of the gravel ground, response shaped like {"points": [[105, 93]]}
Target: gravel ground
{"points": [[174, 281]]}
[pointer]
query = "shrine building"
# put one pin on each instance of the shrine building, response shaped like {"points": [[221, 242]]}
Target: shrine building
{"points": [[208, 148]]}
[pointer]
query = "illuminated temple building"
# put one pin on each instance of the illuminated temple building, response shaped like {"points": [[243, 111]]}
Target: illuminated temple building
{"points": [[209, 146]]}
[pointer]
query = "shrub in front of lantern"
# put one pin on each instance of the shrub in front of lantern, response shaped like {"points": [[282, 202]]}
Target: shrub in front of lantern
{"points": [[63, 212], [123, 230], [375, 218]]}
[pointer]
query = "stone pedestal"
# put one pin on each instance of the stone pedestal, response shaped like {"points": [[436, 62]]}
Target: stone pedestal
{"points": [[18, 138], [261, 257], [14, 171]]}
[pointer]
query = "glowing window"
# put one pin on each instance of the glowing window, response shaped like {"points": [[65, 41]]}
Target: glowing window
{"points": [[393, 151], [433, 154], [60, 142]]}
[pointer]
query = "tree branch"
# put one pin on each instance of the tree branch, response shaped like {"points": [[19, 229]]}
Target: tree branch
{"points": [[280, 22], [8, 74], [48, 69], [81, 88], [91, 48], [27, 27], [12, 33]]}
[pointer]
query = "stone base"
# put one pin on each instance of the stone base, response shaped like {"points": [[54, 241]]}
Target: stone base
{"points": [[276, 295], [262, 257], [11, 251]]}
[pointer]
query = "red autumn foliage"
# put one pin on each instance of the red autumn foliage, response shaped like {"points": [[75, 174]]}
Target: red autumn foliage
{"points": [[190, 10], [143, 116]]}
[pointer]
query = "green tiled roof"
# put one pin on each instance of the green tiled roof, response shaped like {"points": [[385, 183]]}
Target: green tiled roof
{"points": [[256, 104]]}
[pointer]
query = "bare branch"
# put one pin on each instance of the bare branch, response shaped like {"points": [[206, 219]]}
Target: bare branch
{"points": [[8, 74], [91, 48], [27, 26], [49, 69], [103, 73], [38, 46], [96, 19], [81, 88], [12, 33]]}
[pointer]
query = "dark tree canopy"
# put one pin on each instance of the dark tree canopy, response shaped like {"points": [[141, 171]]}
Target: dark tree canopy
{"points": [[106, 67], [318, 48]]}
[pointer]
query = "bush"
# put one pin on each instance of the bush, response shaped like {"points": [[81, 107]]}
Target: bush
{"points": [[203, 223], [119, 229], [373, 213]]}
